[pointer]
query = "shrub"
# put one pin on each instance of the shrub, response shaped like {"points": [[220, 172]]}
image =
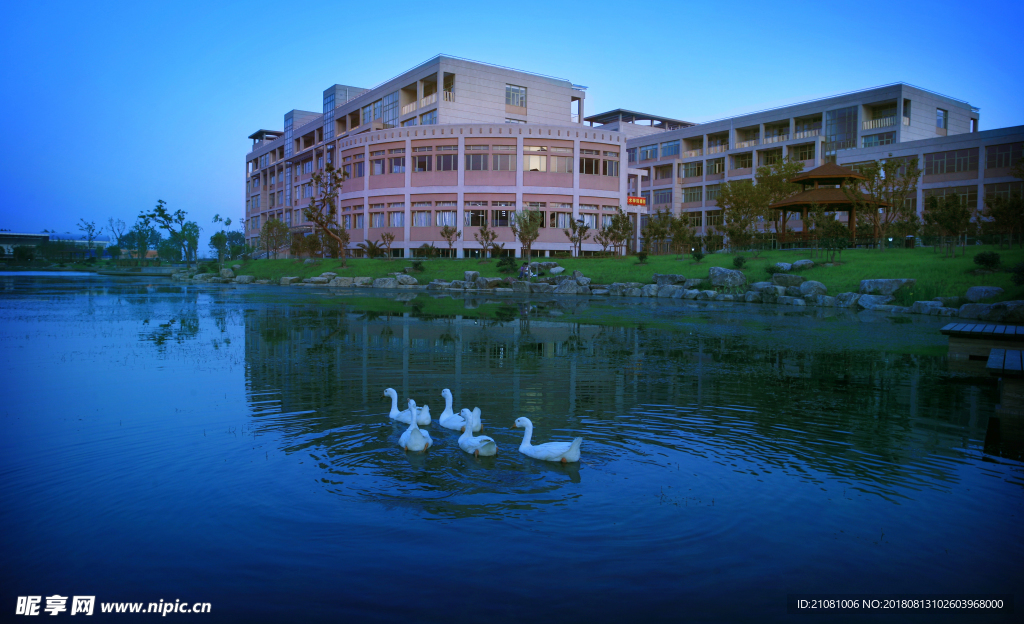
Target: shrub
{"points": [[642, 256], [507, 264], [772, 269], [987, 259], [698, 255], [739, 261], [417, 265], [1018, 274]]}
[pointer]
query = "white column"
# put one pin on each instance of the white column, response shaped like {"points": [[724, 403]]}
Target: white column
{"points": [[460, 215]]}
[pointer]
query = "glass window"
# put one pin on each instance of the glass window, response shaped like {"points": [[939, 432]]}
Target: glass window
{"points": [[377, 166], [589, 220], [359, 221], [631, 154], [515, 121], [610, 168], [422, 149], [396, 165], [476, 217], [590, 166], [1005, 191], [515, 95], [590, 152], [346, 222], [805, 152], [560, 219], [561, 164], [714, 218], [694, 219], [421, 163], [445, 217], [743, 161], [840, 129], [503, 148], [953, 161], [534, 148], [713, 190], [427, 119], [477, 148], [396, 219], [691, 169], [663, 172], [358, 169], [1002, 156], [968, 195], [941, 118], [873, 140], [421, 218], [692, 194], [716, 165], [671, 148], [663, 196], [377, 153], [397, 150], [447, 162], [389, 115], [562, 150], [504, 162], [447, 148], [500, 218], [376, 219], [535, 163], [408, 123], [647, 152]]}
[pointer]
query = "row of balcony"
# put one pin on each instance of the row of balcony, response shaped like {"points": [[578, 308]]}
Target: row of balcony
{"points": [[449, 96]]}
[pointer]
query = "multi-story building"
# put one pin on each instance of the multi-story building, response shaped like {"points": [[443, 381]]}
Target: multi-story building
{"points": [[684, 164], [449, 142]]}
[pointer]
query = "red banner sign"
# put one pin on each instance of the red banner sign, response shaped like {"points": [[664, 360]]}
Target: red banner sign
{"points": [[637, 201]]}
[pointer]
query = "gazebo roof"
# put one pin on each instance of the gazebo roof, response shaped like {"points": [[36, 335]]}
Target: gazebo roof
{"points": [[828, 171], [823, 196]]}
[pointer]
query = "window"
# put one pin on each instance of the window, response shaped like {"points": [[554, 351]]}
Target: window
{"points": [[561, 206], [422, 149], [422, 204], [396, 219], [476, 203], [692, 194], [951, 162], [906, 112], [503, 148], [272, 200], [447, 162], [712, 191], [561, 164], [447, 148], [389, 113], [647, 152], [606, 221], [396, 205], [396, 165], [663, 172], [288, 218], [515, 121], [376, 219], [346, 222], [504, 162], [1002, 156], [840, 129], [359, 221], [670, 148], [589, 220], [307, 167], [694, 219], [535, 163], [535, 205], [358, 169], [359, 156], [716, 165], [376, 206], [534, 148], [941, 118], [476, 162], [562, 150], [714, 218], [445, 217], [397, 150], [427, 119], [609, 207], [663, 196], [968, 195], [377, 167], [500, 218], [421, 164], [590, 166], [770, 157], [320, 162], [515, 95], [420, 218], [691, 169], [477, 148], [1005, 191], [874, 140], [560, 219], [631, 154], [408, 123], [476, 217], [743, 161], [367, 114], [806, 152], [590, 152], [347, 170], [610, 168]]}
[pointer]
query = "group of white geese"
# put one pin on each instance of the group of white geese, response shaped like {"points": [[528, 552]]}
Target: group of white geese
{"points": [[468, 422]]}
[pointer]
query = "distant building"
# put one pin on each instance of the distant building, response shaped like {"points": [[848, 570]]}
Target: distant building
{"points": [[79, 242]]}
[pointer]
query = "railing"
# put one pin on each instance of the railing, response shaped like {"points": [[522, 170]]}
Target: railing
{"points": [[427, 101], [449, 96], [575, 118], [717, 149], [750, 143], [906, 121], [803, 134], [408, 108], [882, 122], [777, 138], [693, 152]]}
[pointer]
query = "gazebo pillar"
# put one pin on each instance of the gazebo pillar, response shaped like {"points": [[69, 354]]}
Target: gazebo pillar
{"points": [[852, 222], [783, 232], [803, 223]]}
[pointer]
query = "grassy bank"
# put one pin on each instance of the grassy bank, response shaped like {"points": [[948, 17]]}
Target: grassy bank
{"points": [[935, 275]]}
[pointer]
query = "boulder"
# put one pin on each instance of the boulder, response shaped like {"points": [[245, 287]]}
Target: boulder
{"points": [[785, 266], [771, 295], [471, 276], [667, 291], [407, 280], [599, 291], [752, 296], [824, 301], [948, 302], [900, 310], [583, 281], [318, 280], [692, 283], [883, 286], [707, 295], [678, 294], [541, 288], [362, 281], [619, 289], [800, 265], [329, 275], [632, 292], [786, 279], [1005, 312], [650, 290], [689, 293], [879, 303], [236, 266], [577, 274], [521, 287], [760, 286], [436, 285], [719, 276], [940, 311], [977, 293], [490, 282], [922, 307], [385, 282], [288, 281], [547, 266], [813, 288], [847, 300], [795, 301], [262, 281], [725, 297], [974, 310], [227, 274], [582, 290], [457, 285], [245, 279], [668, 280], [309, 261], [341, 282], [567, 287], [556, 270], [793, 291]]}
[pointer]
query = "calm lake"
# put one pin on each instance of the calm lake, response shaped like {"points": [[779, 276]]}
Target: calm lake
{"points": [[229, 445]]}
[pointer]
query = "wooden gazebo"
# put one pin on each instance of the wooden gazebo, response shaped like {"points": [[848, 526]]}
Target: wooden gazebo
{"points": [[822, 186]]}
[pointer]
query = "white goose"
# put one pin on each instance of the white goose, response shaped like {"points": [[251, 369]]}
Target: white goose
{"points": [[415, 439], [564, 452], [422, 415], [476, 445], [450, 420]]}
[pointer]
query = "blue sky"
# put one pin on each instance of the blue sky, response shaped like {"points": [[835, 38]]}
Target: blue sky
{"points": [[111, 106]]}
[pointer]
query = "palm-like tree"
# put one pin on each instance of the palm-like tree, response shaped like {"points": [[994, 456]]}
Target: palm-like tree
{"points": [[371, 249]]}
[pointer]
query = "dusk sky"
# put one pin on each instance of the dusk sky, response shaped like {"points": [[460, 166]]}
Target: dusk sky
{"points": [[117, 105]]}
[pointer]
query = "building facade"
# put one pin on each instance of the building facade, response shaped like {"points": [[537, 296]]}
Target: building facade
{"points": [[448, 143]]}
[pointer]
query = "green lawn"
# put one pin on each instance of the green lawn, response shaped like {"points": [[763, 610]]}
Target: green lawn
{"points": [[935, 275]]}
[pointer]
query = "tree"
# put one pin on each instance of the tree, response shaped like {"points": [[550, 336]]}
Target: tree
{"points": [[834, 235], [188, 238], [526, 227], [605, 238], [577, 234], [621, 229], [322, 208], [486, 237], [370, 249], [450, 234], [741, 203], [117, 228], [387, 238], [237, 245], [890, 182], [24, 253], [90, 230], [174, 223], [656, 231], [143, 237], [169, 250], [949, 216], [773, 185], [682, 234], [273, 236], [114, 251], [219, 245]]}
